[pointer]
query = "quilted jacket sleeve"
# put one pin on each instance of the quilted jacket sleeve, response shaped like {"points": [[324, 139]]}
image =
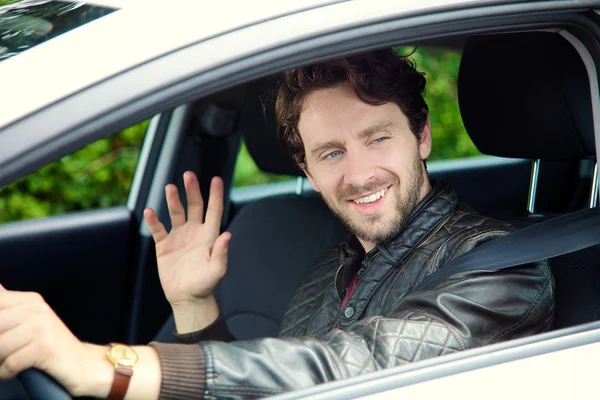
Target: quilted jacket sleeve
{"points": [[467, 310]]}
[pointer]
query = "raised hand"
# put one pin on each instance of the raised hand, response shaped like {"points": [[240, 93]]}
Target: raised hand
{"points": [[192, 257]]}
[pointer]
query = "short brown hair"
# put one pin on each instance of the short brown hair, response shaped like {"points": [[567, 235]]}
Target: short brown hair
{"points": [[377, 78]]}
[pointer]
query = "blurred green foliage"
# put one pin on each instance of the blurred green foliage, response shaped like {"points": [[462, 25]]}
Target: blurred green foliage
{"points": [[97, 176], [450, 139], [100, 174], [246, 171]]}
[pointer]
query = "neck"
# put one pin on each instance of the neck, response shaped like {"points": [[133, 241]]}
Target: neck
{"points": [[368, 246]]}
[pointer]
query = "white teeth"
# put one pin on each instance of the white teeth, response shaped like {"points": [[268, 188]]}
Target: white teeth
{"points": [[371, 198]]}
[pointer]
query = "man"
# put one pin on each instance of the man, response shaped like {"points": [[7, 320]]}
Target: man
{"points": [[359, 128]]}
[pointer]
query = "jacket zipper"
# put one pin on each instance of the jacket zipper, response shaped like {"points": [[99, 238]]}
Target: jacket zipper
{"points": [[337, 293]]}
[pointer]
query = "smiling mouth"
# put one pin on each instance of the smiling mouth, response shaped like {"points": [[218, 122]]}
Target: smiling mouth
{"points": [[372, 197]]}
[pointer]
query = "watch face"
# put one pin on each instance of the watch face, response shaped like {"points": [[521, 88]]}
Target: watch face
{"points": [[124, 355]]}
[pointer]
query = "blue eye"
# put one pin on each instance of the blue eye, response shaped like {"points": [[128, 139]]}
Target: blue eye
{"points": [[333, 154], [381, 139]]}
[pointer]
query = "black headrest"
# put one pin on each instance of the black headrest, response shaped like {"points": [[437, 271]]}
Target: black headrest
{"points": [[526, 95], [258, 125]]}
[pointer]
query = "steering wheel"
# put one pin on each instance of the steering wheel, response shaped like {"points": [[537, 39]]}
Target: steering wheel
{"points": [[40, 386]]}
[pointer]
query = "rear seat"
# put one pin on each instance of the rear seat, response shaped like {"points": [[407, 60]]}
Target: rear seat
{"points": [[527, 95]]}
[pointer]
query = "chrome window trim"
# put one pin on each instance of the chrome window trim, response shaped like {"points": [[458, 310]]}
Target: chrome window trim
{"points": [[142, 163], [167, 162]]}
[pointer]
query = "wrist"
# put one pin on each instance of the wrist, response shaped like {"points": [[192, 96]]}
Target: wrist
{"points": [[98, 373], [195, 315]]}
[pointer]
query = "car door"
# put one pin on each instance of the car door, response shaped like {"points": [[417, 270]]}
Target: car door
{"points": [[81, 257]]}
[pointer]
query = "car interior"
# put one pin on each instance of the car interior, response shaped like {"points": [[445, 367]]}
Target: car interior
{"points": [[524, 99], [493, 86]]}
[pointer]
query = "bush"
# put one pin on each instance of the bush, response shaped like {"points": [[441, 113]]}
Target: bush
{"points": [[97, 176]]}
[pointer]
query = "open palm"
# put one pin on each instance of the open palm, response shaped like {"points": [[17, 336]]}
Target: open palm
{"points": [[192, 258]]}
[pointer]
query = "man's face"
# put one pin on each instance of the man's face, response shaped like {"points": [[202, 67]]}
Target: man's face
{"points": [[364, 160]]}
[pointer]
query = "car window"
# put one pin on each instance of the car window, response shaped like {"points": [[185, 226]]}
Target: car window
{"points": [[450, 138], [27, 23], [97, 176]]}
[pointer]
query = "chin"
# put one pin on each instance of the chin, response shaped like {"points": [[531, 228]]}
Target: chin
{"points": [[380, 233]]}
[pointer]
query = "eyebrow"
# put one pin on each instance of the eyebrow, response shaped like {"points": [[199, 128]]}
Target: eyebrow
{"points": [[378, 127], [324, 146], [365, 133]]}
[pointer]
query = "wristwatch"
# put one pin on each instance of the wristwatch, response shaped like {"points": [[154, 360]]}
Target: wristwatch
{"points": [[124, 358]]}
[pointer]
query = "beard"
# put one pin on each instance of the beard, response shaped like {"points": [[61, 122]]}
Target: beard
{"points": [[376, 228]]}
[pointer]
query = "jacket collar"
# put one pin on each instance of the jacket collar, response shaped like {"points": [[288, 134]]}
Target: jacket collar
{"points": [[435, 207], [380, 262]]}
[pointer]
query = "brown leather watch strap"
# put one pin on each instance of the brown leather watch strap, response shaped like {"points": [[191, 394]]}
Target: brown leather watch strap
{"points": [[120, 383]]}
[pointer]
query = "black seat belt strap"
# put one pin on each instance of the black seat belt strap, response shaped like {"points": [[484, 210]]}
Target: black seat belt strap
{"points": [[552, 238]]}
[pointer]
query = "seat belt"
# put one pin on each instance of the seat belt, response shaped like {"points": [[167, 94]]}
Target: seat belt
{"points": [[552, 238]]}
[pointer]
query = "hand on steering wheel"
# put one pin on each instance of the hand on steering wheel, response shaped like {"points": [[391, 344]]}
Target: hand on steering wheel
{"points": [[32, 336]]}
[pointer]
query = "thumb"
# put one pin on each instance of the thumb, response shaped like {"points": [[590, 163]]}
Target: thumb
{"points": [[220, 249]]}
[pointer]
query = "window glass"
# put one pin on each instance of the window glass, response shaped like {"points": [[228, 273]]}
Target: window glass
{"points": [[27, 23], [97, 176], [450, 139]]}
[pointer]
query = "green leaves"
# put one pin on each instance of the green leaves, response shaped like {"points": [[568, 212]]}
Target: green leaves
{"points": [[247, 173], [450, 139], [97, 176]]}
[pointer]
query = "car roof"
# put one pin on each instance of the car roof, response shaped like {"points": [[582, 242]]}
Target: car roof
{"points": [[137, 33]]}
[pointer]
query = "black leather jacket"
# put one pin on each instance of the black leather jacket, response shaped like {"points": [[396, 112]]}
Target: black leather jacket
{"points": [[385, 323]]}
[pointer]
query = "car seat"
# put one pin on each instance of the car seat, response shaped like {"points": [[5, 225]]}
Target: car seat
{"points": [[527, 95]]}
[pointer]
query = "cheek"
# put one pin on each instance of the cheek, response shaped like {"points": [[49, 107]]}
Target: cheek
{"points": [[327, 178], [400, 162]]}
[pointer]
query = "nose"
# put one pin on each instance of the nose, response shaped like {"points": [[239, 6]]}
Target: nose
{"points": [[358, 168]]}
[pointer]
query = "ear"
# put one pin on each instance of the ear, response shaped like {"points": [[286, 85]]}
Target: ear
{"points": [[309, 176], [425, 141]]}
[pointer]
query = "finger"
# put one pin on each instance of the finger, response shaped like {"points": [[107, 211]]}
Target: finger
{"points": [[13, 316], [13, 298], [195, 203], [157, 229], [214, 212], [176, 211], [14, 356], [218, 257], [21, 359]]}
